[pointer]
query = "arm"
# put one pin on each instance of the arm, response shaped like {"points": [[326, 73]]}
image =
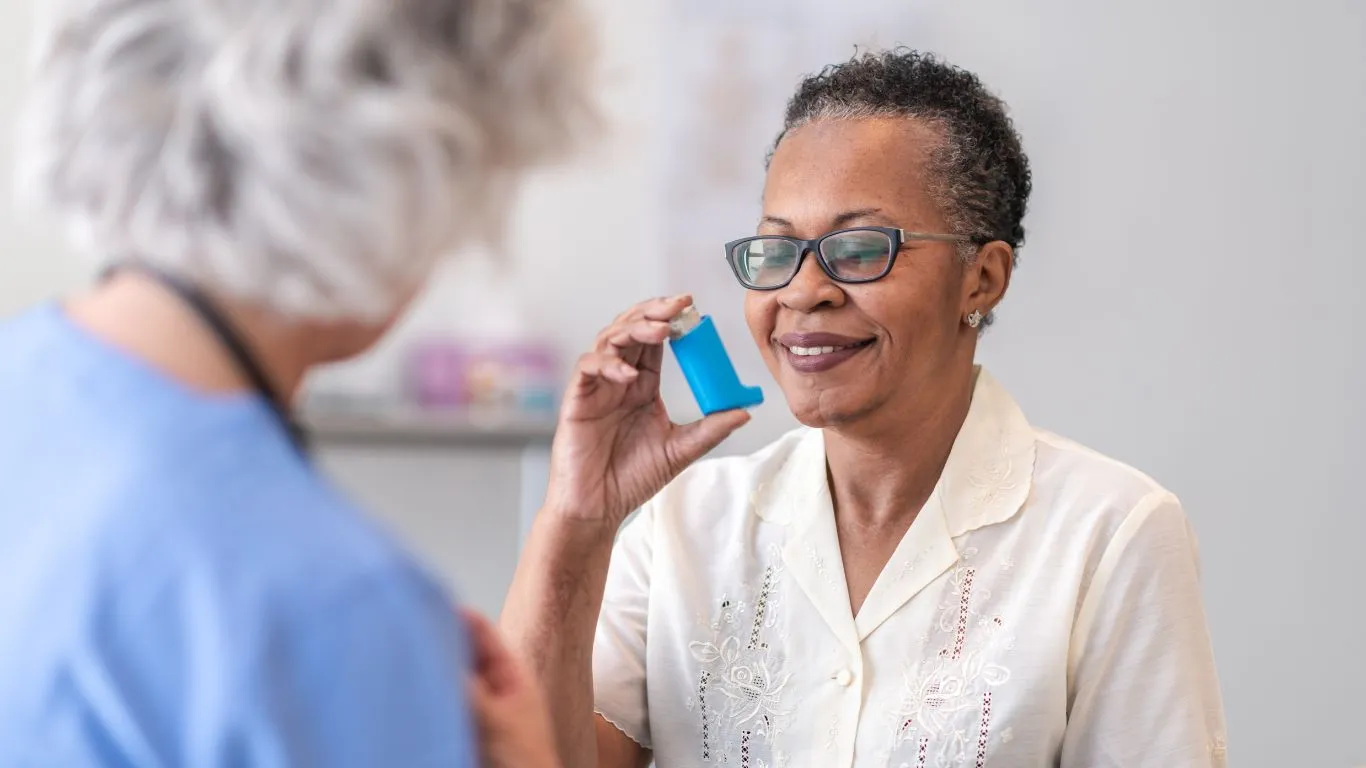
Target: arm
{"points": [[1142, 683], [550, 618], [555, 613], [615, 448]]}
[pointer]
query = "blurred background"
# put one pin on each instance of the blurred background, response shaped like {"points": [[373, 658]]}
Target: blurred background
{"points": [[1188, 300]]}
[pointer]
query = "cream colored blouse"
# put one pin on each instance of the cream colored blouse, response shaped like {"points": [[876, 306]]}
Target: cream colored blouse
{"points": [[1043, 609]]}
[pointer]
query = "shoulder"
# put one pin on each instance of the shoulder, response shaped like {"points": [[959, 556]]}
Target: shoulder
{"points": [[1098, 510], [254, 529], [1082, 486], [1064, 464]]}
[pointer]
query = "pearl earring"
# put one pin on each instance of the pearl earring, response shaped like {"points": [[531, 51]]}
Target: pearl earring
{"points": [[975, 319]]}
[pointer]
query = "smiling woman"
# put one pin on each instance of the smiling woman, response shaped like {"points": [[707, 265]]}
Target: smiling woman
{"points": [[917, 576]]}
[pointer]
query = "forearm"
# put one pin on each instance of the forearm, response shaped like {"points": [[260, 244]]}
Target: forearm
{"points": [[550, 617]]}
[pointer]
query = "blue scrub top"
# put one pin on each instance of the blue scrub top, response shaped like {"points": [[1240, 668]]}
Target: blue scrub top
{"points": [[178, 588]]}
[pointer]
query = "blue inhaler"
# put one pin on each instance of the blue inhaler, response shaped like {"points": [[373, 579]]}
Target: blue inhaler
{"points": [[706, 366]]}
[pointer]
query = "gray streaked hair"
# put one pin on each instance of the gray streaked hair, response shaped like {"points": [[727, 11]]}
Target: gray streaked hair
{"points": [[979, 174], [314, 157]]}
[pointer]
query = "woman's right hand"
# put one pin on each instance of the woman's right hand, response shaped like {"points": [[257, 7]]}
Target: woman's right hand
{"points": [[615, 446]]}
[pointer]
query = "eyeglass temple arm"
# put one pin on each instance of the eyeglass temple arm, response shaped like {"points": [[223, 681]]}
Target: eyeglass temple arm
{"points": [[910, 236]]}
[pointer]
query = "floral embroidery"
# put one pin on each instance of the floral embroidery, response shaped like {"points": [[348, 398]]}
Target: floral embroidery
{"points": [[952, 684], [908, 567], [740, 688], [988, 478], [818, 562]]}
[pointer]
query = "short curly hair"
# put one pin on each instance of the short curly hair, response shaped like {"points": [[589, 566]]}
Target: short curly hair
{"points": [[979, 176]]}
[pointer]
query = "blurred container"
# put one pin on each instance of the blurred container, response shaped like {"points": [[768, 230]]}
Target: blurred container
{"points": [[457, 373]]}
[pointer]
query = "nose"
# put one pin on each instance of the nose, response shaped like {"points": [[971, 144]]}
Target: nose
{"points": [[811, 288]]}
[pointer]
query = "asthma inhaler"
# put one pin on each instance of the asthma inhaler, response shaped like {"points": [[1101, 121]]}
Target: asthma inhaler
{"points": [[706, 366]]}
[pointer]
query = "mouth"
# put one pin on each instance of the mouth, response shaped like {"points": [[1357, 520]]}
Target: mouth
{"points": [[827, 350], [817, 353]]}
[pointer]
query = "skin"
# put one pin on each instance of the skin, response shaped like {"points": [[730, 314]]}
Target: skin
{"points": [[616, 447]]}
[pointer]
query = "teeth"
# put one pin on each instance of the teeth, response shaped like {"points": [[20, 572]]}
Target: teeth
{"points": [[813, 351]]}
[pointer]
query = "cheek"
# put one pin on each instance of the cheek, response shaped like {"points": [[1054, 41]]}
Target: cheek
{"points": [[909, 312], [760, 314]]}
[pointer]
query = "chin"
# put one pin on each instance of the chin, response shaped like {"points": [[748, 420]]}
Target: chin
{"points": [[828, 409]]}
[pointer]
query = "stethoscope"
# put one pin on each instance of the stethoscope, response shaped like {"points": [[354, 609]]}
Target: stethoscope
{"points": [[232, 343]]}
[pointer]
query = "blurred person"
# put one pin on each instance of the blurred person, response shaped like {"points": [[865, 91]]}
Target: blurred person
{"points": [[267, 183], [915, 577]]}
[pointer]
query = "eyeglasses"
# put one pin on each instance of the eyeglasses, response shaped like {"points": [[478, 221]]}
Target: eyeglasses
{"points": [[858, 255]]}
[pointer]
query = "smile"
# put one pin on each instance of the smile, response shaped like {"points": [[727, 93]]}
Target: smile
{"points": [[810, 358], [813, 351]]}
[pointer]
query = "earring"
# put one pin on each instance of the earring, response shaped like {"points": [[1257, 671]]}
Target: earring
{"points": [[975, 319]]}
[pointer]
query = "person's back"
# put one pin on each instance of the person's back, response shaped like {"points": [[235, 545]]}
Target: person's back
{"points": [[181, 589], [264, 188]]}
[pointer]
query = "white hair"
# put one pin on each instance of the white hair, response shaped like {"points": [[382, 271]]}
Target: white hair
{"points": [[314, 157]]}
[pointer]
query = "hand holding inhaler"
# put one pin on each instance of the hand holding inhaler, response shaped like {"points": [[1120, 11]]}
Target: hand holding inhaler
{"points": [[615, 446]]}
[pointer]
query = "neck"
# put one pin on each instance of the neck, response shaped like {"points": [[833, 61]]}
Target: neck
{"points": [[143, 318], [883, 470]]}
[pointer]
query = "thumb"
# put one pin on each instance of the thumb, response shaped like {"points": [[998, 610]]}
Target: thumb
{"points": [[690, 442]]}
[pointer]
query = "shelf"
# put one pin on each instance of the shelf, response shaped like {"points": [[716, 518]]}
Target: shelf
{"points": [[413, 426]]}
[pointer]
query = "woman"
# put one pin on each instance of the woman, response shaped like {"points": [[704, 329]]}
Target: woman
{"points": [[917, 576], [266, 185]]}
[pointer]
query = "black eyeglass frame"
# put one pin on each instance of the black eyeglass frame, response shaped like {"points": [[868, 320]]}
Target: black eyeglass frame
{"points": [[899, 238]]}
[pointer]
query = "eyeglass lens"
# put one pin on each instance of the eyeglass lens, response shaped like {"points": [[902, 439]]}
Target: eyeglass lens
{"points": [[855, 256]]}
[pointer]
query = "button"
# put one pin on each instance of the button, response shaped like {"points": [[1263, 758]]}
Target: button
{"points": [[844, 677]]}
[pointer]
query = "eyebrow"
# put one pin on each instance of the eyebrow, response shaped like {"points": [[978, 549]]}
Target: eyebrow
{"points": [[839, 221]]}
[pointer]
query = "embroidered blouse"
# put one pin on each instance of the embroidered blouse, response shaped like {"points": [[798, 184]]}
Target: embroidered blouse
{"points": [[1043, 609]]}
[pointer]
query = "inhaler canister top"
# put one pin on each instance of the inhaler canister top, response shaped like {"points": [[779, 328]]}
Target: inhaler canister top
{"points": [[684, 322]]}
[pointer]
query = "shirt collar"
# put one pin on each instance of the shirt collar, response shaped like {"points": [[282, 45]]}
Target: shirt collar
{"points": [[986, 479]]}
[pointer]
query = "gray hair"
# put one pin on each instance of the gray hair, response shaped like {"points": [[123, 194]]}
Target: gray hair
{"points": [[314, 157]]}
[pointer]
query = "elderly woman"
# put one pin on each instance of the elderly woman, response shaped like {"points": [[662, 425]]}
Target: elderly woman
{"points": [[268, 183], [917, 576]]}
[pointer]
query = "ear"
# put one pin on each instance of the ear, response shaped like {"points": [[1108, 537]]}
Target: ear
{"points": [[987, 277]]}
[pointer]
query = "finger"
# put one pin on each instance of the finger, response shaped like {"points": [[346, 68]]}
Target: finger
{"points": [[598, 366], [495, 668], [690, 442], [636, 333], [657, 310], [667, 309], [664, 309], [651, 359]]}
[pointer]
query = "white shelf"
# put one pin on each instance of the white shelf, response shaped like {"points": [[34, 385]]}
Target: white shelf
{"points": [[398, 425]]}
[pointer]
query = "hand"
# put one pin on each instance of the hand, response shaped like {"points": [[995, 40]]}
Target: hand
{"points": [[510, 710], [615, 446]]}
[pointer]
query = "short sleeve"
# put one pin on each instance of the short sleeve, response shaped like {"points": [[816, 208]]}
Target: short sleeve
{"points": [[619, 687], [1142, 681]]}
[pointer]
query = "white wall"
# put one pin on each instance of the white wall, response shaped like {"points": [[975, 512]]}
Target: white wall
{"points": [[33, 265], [1188, 303], [1187, 300]]}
